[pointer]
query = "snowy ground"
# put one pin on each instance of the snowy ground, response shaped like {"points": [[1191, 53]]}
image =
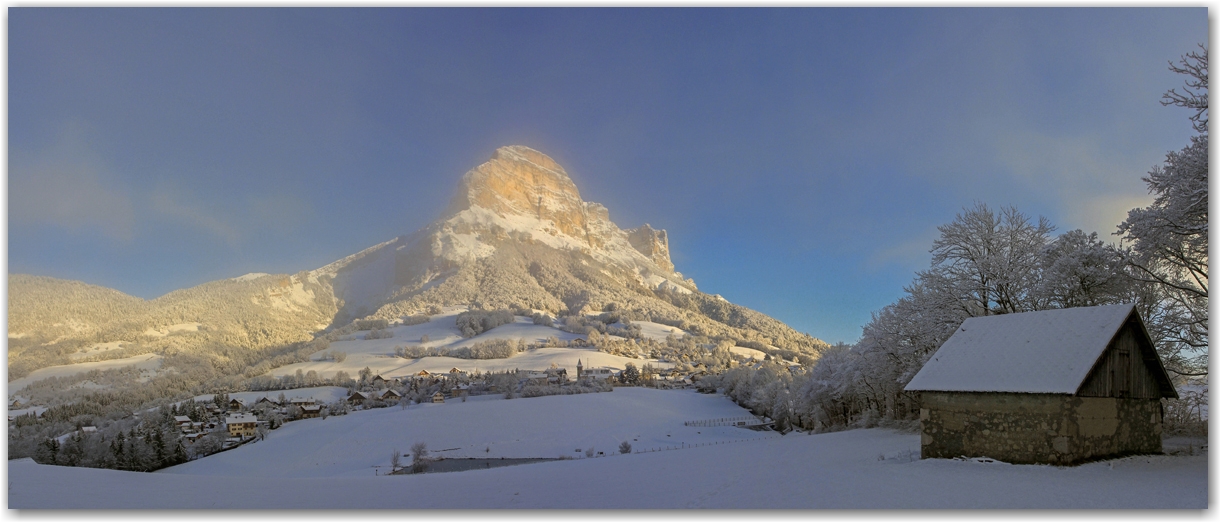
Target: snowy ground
{"points": [[317, 393], [378, 354], [144, 362], [328, 464], [483, 427]]}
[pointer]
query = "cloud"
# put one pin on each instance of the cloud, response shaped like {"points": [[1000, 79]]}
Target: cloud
{"points": [[167, 201], [67, 186]]}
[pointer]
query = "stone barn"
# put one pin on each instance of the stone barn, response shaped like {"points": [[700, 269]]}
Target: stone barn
{"points": [[1050, 387]]}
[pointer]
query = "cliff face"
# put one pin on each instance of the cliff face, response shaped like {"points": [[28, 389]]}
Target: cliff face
{"points": [[522, 185], [652, 243]]}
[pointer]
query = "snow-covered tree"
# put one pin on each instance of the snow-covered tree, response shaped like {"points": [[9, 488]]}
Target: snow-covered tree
{"points": [[992, 259], [1169, 238]]}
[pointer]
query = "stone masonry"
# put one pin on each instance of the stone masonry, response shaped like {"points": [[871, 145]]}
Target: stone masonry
{"points": [[1037, 428]]}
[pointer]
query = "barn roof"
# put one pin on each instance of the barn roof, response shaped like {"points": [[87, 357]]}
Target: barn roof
{"points": [[1050, 351]]}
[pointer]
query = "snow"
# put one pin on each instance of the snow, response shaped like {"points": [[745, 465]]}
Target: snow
{"points": [[172, 329], [748, 352], [486, 426], [143, 362], [1049, 351], [250, 277], [378, 354], [96, 349], [658, 331], [321, 394], [328, 463]]}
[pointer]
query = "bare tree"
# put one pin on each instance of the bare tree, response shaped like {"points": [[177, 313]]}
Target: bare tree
{"points": [[395, 460], [419, 455]]}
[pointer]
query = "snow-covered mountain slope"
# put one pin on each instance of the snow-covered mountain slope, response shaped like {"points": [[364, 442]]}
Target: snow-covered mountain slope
{"points": [[516, 235]]}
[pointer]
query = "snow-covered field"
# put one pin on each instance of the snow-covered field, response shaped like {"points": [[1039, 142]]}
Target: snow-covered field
{"points": [[378, 354], [150, 362], [329, 463], [482, 427], [317, 393]]}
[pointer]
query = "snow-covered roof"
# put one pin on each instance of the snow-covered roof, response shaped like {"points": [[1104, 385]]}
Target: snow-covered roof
{"points": [[1050, 351], [240, 418]]}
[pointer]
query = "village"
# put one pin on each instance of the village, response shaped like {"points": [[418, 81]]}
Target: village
{"points": [[236, 421]]}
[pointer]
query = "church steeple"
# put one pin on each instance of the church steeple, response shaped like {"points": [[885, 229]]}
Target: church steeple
{"points": [[579, 369]]}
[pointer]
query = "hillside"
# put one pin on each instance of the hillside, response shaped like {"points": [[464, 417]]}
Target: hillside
{"points": [[516, 235]]}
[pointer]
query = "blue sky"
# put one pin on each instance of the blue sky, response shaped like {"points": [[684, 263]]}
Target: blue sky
{"points": [[800, 159]]}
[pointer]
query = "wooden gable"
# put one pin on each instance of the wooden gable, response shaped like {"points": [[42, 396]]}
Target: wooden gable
{"points": [[1129, 368]]}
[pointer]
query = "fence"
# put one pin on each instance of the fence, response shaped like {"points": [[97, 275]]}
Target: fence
{"points": [[748, 420], [702, 444]]}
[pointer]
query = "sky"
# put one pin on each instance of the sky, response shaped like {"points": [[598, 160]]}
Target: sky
{"points": [[799, 158]]}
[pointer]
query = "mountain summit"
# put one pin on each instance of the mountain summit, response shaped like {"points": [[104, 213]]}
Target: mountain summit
{"points": [[516, 235]]}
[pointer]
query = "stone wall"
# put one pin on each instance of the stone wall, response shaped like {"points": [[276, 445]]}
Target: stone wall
{"points": [[1037, 428]]}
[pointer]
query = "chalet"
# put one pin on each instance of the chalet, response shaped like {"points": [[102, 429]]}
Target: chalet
{"points": [[241, 425], [1051, 387], [236, 404], [88, 429], [532, 377], [390, 395], [579, 343], [378, 381], [311, 411], [302, 402], [266, 401], [357, 398], [556, 375], [422, 374], [438, 398], [455, 372], [184, 423]]}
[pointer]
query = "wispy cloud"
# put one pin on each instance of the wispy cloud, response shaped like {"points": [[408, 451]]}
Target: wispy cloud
{"points": [[170, 202], [68, 186]]}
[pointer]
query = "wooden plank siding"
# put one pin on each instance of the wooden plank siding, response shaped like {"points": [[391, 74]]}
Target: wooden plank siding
{"points": [[1129, 368]]}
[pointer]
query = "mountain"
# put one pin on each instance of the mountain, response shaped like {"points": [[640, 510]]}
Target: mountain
{"points": [[516, 235]]}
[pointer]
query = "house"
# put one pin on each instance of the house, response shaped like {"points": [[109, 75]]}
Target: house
{"points": [[88, 429], [390, 395], [236, 404], [190, 438], [438, 398], [533, 377], [357, 398], [311, 411], [422, 374], [556, 375], [241, 425], [1052, 387], [302, 402], [455, 372], [183, 422], [600, 373], [378, 381], [579, 343], [266, 401]]}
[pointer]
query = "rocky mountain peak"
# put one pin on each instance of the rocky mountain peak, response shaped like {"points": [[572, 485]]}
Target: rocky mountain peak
{"points": [[521, 181]]}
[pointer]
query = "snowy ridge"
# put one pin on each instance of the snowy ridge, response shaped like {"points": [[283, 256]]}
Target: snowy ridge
{"points": [[333, 268], [1050, 351]]}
